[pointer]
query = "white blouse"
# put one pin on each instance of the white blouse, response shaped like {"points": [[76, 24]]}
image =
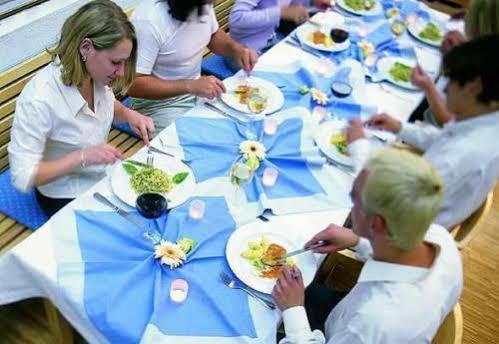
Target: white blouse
{"points": [[167, 48], [52, 120]]}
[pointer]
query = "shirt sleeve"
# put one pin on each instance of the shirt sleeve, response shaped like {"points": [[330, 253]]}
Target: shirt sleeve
{"points": [[359, 152], [298, 329], [419, 136], [149, 42], [31, 127], [244, 16], [363, 249]]}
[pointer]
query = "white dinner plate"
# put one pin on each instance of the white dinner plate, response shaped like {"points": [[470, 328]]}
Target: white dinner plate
{"points": [[419, 25], [242, 268], [385, 64], [323, 141], [304, 31], [120, 181], [375, 10], [275, 98]]}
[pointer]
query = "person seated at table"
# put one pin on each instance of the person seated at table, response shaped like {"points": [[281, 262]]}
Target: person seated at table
{"points": [[412, 277], [172, 37], [481, 19], [64, 114], [253, 22], [464, 152]]}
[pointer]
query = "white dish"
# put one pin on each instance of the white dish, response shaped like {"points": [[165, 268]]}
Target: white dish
{"points": [[375, 10], [385, 64], [304, 31], [323, 141], [242, 268], [418, 26], [275, 98], [120, 182]]}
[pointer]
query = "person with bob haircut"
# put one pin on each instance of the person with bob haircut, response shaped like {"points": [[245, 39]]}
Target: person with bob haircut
{"points": [[412, 277], [172, 37], [464, 152], [64, 114], [481, 19]]}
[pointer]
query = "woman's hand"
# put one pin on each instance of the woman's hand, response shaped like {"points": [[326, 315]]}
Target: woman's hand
{"points": [[245, 57], [101, 154], [141, 125]]}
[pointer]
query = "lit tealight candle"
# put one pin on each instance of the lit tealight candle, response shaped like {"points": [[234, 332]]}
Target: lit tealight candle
{"points": [[270, 175], [178, 290], [318, 113], [363, 30], [270, 126], [196, 209], [411, 18], [370, 60]]}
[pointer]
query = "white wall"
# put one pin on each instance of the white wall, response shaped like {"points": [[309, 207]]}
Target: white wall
{"points": [[30, 32]]}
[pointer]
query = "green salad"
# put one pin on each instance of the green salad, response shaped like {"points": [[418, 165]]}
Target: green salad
{"points": [[360, 5], [401, 72], [431, 32]]}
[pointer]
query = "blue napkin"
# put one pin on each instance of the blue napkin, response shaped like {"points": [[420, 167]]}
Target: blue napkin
{"points": [[346, 108], [406, 7], [126, 288], [283, 153]]}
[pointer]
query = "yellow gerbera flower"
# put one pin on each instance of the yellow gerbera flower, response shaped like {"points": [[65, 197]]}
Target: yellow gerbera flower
{"points": [[169, 253]]}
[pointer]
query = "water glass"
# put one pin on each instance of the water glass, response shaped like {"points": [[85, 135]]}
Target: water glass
{"points": [[179, 290], [196, 209]]}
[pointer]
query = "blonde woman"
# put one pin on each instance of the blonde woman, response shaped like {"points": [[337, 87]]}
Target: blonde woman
{"points": [[481, 19], [64, 114], [412, 277]]}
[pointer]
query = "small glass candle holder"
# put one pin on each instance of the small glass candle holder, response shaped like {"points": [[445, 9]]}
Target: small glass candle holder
{"points": [[179, 290], [411, 18], [196, 209], [363, 30], [270, 175], [270, 126], [370, 60], [319, 113]]}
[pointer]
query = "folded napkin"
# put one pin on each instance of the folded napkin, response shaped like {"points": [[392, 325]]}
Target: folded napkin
{"points": [[126, 289]]}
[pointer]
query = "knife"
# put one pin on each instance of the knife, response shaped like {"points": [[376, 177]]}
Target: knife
{"points": [[299, 46], [282, 260], [225, 114], [154, 237]]}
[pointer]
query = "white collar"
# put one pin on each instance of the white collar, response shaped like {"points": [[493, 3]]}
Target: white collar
{"points": [[474, 122], [377, 271]]}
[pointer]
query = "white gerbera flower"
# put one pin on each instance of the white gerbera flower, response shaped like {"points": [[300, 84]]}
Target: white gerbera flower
{"points": [[366, 48], [169, 253], [320, 97], [252, 149]]}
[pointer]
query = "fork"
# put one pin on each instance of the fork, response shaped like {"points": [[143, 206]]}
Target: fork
{"points": [[150, 157], [229, 282]]}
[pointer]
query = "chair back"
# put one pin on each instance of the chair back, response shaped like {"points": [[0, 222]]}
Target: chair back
{"points": [[468, 229], [451, 330]]}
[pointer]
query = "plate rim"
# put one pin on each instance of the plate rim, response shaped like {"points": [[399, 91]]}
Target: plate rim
{"points": [[388, 77], [346, 160], [343, 6], [347, 43], [158, 157], [412, 31]]}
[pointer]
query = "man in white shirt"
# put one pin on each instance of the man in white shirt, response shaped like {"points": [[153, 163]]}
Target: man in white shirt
{"points": [[413, 274], [172, 37], [465, 152]]}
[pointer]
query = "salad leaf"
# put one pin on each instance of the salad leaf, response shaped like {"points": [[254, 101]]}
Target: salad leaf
{"points": [[130, 169], [179, 177], [186, 244]]}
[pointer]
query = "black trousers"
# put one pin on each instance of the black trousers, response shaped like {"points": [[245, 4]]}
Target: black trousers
{"points": [[49, 205], [319, 302]]}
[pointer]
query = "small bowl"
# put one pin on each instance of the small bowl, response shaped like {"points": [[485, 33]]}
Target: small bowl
{"points": [[151, 205], [341, 89], [339, 35]]}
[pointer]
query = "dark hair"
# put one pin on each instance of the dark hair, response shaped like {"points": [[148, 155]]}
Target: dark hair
{"points": [[182, 9], [476, 58]]}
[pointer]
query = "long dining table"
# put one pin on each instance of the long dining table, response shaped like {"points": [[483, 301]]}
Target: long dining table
{"points": [[101, 274]]}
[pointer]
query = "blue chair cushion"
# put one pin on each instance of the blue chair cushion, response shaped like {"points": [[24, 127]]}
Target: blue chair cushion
{"points": [[215, 65], [19, 206]]}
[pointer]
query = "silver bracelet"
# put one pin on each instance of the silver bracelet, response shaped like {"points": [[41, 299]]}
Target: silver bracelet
{"points": [[82, 159]]}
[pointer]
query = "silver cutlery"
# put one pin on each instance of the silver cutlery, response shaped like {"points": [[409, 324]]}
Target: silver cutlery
{"points": [[150, 157], [224, 113], [299, 46], [152, 236], [346, 169], [157, 150], [229, 282], [264, 218]]}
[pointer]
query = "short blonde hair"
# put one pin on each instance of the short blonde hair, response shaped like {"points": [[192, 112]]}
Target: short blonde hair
{"points": [[103, 22], [406, 191], [482, 18]]}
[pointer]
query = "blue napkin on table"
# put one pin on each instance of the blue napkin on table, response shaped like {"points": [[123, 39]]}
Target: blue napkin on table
{"points": [[283, 152], [126, 288]]}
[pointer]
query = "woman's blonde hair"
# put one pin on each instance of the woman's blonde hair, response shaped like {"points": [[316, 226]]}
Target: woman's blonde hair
{"points": [[406, 191], [482, 18], [106, 25]]}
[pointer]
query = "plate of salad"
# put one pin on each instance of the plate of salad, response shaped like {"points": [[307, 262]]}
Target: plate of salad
{"points": [[169, 177], [331, 138], [361, 7], [398, 71], [428, 32]]}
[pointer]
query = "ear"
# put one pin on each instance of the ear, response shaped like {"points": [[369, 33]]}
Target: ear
{"points": [[86, 47], [474, 86], [378, 225]]}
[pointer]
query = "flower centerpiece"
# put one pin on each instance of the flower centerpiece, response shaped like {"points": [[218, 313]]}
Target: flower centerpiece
{"points": [[253, 152], [173, 254]]}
